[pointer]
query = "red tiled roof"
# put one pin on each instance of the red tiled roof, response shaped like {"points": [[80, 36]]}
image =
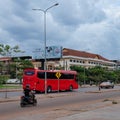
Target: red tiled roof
{"points": [[84, 54], [4, 58]]}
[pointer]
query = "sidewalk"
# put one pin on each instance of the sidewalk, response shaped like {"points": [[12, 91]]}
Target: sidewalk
{"points": [[106, 113]]}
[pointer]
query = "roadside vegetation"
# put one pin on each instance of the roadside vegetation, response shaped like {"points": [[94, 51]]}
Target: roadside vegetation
{"points": [[10, 86], [13, 68], [96, 75]]}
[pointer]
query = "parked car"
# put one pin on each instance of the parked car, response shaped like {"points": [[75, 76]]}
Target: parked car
{"points": [[13, 81], [107, 84]]}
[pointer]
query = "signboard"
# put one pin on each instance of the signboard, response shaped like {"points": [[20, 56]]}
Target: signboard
{"points": [[51, 52], [58, 75]]}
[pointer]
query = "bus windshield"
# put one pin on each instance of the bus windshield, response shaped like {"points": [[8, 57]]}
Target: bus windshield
{"points": [[29, 73]]}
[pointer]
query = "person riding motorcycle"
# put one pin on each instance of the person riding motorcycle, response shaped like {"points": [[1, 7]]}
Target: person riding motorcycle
{"points": [[28, 93], [28, 97]]}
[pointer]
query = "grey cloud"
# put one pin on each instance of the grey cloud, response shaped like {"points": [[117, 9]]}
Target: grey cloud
{"points": [[92, 25], [79, 12]]}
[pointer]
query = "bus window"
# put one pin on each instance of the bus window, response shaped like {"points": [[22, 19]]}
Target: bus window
{"points": [[51, 75], [67, 76], [41, 75]]}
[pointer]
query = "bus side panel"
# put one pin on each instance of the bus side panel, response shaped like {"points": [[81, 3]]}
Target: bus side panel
{"points": [[53, 83], [40, 85], [75, 85], [66, 83], [68, 80], [63, 84]]}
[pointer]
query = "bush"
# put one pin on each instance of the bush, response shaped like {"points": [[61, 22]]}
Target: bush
{"points": [[4, 78]]}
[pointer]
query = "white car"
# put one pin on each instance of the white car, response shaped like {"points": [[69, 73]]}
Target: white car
{"points": [[12, 81], [107, 85]]}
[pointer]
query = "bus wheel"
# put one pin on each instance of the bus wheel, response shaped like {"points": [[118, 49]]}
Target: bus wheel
{"points": [[71, 88], [49, 89]]}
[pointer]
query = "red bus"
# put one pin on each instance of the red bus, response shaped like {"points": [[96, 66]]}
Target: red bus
{"points": [[56, 80]]}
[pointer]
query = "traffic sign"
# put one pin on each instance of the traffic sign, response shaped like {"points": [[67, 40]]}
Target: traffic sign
{"points": [[58, 75]]}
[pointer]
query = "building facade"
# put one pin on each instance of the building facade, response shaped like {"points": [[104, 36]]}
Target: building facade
{"points": [[69, 58], [72, 57]]}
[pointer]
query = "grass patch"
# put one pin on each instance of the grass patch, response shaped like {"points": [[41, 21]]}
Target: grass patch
{"points": [[10, 86]]}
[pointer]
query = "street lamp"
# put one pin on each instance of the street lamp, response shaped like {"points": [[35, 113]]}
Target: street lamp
{"points": [[45, 11]]}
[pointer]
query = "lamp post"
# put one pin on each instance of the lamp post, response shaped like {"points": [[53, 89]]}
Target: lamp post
{"points": [[84, 76], [45, 68]]}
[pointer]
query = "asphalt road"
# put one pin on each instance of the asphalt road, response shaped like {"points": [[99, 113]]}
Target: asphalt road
{"points": [[82, 89], [10, 110]]}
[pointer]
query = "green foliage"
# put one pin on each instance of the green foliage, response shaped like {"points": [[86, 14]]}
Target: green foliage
{"points": [[7, 50], [3, 78], [18, 66], [26, 64], [13, 69], [96, 75]]}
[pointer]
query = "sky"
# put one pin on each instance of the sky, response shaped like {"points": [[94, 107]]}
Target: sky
{"points": [[85, 25]]}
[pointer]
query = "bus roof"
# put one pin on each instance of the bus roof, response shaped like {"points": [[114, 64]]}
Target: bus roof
{"points": [[61, 71]]}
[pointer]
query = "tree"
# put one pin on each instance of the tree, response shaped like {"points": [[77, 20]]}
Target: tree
{"points": [[81, 74], [19, 66], [7, 50], [12, 68], [96, 74]]}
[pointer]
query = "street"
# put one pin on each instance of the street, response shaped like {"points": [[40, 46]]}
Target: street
{"points": [[81, 89], [55, 101]]}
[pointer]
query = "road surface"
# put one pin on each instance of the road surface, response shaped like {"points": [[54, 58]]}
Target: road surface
{"points": [[81, 89], [65, 101]]}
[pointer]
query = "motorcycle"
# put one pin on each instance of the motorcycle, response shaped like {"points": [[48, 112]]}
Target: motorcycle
{"points": [[25, 100]]}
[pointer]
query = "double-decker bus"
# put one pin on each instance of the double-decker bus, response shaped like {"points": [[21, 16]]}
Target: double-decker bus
{"points": [[51, 80]]}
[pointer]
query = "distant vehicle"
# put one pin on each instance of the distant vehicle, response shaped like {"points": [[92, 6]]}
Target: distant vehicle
{"points": [[107, 84], [12, 81]]}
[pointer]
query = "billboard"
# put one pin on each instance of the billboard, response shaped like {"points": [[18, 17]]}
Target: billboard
{"points": [[52, 52]]}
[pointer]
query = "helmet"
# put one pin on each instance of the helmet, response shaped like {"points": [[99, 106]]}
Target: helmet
{"points": [[27, 86]]}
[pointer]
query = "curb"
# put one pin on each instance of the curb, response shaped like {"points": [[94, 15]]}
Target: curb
{"points": [[11, 90], [101, 91]]}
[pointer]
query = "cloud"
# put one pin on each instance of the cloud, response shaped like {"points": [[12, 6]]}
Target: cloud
{"points": [[80, 12], [89, 25]]}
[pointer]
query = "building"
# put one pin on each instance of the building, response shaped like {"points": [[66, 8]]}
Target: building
{"points": [[69, 58], [6, 61], [72, 57]]}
